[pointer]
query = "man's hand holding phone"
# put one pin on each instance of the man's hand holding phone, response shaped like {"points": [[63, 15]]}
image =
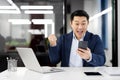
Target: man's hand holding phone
{"points": [[83, 50], [83, 44]]}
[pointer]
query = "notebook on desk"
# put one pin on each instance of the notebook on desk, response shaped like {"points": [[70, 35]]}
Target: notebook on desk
{"points": [[30, 61]]}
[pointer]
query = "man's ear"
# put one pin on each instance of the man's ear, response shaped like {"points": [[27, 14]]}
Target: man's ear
{"points": [[70, 23], [88, 22]]}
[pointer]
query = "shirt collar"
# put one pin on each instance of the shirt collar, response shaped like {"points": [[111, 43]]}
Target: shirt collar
{"points": [[74, 37]]}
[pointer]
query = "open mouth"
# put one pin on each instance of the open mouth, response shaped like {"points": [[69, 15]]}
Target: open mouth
{"points": [[80, 32]]}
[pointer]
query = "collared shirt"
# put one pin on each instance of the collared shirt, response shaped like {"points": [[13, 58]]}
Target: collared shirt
{"points": [[75, 59]]}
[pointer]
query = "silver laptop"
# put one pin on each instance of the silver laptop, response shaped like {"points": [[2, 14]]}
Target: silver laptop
{"points": [[30, 61]]}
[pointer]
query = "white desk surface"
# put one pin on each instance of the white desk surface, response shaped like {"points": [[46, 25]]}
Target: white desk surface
{"points": [[69, 74]]}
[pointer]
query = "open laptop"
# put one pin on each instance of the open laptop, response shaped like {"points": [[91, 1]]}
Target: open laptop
{"points": [[30, 61]]}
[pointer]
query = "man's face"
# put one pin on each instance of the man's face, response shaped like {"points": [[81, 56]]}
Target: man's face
{"points": [[79, 26]]}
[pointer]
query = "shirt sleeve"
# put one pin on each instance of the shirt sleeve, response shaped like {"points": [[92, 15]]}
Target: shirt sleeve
{"points": [[90, 58]]}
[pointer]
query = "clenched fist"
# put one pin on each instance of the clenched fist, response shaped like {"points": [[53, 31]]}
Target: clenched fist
{"points": [[52, 39]]}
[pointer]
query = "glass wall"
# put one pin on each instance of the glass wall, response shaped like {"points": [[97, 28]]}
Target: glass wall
{"points": [[28, 23], [22, 22]]}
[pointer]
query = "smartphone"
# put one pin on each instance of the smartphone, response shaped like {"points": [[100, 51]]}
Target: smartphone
{"points": [[93, 73], [83, 44]]}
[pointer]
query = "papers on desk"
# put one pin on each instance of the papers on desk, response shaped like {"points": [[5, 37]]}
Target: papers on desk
{"points": [[112, 71]]}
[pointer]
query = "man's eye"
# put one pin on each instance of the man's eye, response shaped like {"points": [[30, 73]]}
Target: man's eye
{"points": [[76, 24], [83, 24]]}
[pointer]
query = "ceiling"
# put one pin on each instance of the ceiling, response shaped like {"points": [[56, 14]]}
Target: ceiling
{"points": [[28, 0], [36, 0], [6, 3]]}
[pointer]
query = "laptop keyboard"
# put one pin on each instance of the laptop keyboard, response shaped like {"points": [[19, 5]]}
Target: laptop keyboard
{"points": [[51, 69]]}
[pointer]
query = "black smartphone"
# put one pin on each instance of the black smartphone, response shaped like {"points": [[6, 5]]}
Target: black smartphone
{"points": [[83, 44], [93, 73]]}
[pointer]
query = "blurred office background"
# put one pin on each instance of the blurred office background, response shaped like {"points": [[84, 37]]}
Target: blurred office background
{"points": [[28, 23]]}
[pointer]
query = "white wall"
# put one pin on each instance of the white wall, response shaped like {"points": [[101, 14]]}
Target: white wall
{"points": [[93, 7], [4, 25], [95, 25], [109, 29]]}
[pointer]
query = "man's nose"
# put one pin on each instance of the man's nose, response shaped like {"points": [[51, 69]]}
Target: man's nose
{"points": [[79, 27]]}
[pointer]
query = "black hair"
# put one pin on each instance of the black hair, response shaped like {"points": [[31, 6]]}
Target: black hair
{"points": [[79, 13]]}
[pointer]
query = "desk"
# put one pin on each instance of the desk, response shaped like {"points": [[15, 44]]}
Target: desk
{"points": [[69, 74]]}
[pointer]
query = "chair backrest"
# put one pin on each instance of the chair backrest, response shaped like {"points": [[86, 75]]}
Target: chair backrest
{"points": [[2, 43], [40, 48]]}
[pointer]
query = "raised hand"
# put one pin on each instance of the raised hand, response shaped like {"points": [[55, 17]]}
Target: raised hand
{"points": [[52, 39]]}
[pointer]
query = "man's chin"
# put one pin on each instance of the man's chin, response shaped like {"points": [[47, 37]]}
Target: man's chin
{"points": [[79, 37]]}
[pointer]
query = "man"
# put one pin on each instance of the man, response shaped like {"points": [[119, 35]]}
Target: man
{"points": [[66, 50]]}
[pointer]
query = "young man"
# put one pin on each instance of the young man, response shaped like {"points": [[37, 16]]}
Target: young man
{"points": [[66, 50]]}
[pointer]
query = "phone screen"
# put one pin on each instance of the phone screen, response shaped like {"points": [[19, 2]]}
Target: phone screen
{"points": [[92, 73], [83, 44]]}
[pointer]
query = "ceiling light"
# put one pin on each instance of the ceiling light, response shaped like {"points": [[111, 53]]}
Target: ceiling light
{"points": [[7, 7], [9, 12], [37, 12], [36, 7], [45, 22], [50, 30], [42, 21], [34, 31], [19, 21], [13, 4], [101, 13]]}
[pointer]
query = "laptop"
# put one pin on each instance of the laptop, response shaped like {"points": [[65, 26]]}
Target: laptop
{"points": [[30, 61]]}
